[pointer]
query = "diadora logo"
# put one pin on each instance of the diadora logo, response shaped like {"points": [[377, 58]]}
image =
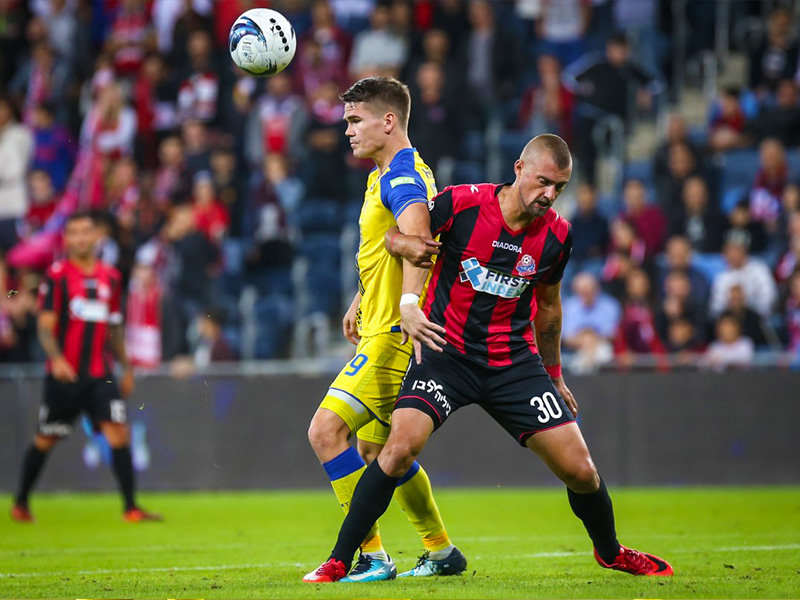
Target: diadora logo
{"points": [[473, 188], [492, 282], [506, 246], [431, 203], [526, 265], [434, 389]]}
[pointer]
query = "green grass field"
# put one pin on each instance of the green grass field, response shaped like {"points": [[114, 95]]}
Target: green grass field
{"points": [[521, 543]]}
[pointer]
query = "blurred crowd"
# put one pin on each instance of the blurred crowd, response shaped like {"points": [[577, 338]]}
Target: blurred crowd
{"points": [[228, 202]]}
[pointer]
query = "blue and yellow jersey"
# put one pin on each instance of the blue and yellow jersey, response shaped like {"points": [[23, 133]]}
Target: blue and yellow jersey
{"points": [[407, 180]]}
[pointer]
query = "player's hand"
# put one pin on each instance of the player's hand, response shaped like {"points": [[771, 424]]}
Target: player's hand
{"points": [[63, 371], [416, 249], [415, 325], [562, 389], [349, 325], [127, 383]]}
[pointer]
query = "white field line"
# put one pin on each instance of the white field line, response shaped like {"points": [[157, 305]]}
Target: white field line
{"points": [[98, 550], [296, 564]]}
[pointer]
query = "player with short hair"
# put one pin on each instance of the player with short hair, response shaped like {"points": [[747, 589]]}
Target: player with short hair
{"points": [[79, 321], [362, 396], [502, 258]]}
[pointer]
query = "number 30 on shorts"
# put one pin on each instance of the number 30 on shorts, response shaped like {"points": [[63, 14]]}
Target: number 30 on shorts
{"points": [[359, 360], [548, 406]]}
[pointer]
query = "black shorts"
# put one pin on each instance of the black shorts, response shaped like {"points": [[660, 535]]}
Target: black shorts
{"points": [[520, 397], [64, 402]]}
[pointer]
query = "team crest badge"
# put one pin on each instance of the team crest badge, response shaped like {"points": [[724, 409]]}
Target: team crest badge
{"points": [[526, 265]]}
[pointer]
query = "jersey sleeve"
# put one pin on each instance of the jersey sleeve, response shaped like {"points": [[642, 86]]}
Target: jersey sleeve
{"points": [[554, 275], [47, 292], [115, 306], [399, 190], [441, 209]]}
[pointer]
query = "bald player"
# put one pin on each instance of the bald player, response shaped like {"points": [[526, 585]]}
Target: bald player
{"points": [[503, 254]]}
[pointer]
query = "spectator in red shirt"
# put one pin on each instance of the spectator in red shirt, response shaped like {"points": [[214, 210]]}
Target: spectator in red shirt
{"points": [[130, 36], [42, 200], [334, 42], [637, 332], [648, 221], [211, 216], [198, 96], [727, 122]]}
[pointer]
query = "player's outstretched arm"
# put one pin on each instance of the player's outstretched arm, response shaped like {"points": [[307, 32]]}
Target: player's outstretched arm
{"points": [[547, 324], [416, 249], [415, 221]]}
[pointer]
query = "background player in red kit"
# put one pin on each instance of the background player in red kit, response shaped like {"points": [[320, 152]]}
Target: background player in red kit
{"points": [[503, 254], [80, 326]]}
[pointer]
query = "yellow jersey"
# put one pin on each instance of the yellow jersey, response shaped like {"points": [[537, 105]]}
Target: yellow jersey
{"points": [[380, 275]]}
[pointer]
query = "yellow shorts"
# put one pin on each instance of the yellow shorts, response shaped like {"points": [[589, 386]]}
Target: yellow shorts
{"points": [[364, 392]]}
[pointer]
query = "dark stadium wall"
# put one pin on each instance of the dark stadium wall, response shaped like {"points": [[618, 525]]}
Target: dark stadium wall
{"points": [[250, 432]]}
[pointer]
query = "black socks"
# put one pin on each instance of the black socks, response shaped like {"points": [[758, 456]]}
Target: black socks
{"points": [[123, 469], [370, 500], [31, 468], [597, 514]]}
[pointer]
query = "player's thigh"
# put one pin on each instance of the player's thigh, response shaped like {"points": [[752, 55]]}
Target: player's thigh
{"points": [[523, 400], [105, 406], [367, 386], [438, 386], [61, 404]]}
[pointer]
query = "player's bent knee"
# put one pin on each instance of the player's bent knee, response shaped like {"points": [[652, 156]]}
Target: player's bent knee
{"points": [[117, 434], [582, 477], [396, 459], [327, 433]]}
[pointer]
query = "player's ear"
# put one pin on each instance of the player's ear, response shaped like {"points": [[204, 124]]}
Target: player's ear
{"points": [[518, 165], [389, 123]]}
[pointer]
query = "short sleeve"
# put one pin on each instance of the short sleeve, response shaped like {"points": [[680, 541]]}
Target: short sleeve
{"points": [[441, 209], [46, 297], [399, 190], [554, 275]]}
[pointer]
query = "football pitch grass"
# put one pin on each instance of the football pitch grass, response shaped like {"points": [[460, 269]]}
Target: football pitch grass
{"points": [[520, 543]]}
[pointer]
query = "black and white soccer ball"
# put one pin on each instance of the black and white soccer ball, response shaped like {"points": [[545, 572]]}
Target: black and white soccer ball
{"points": [[262, 42]]}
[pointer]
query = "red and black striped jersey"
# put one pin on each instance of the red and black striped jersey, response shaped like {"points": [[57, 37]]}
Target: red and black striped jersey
{"points": [[482, 289], [85, 303]]}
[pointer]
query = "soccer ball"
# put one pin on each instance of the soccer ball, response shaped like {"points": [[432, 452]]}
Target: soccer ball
{"points": [[262, 42]]}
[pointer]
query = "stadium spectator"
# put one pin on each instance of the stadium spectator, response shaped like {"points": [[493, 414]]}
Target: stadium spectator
{"points": [[42, 78], [277, 121], [267, 224], [549, 105], [678, 303], [681, 165], [16, 148], [683, 342], [451, 17], [750, 273], [589, 308], [196, 147], [730, 349], [172, 180], [697, 219], [561, 27], [166, 13], [677, 132], [62, 24], [740, 219], [435, 124], [212, 346], [353, 14], [378, 48], [42, 201], [776, 57], [678, 256], [604, 86], [648, 220], [727, 122], [310, 69], [494, 61], [636, 333], [753, 324], [438, 48], [211, 217], [54, 150], [110, 126], [12, 34], [289, 189], [627, 251], [790, 204], [589, 228], [334, 42], [325, 145], [780, 121], [195, 16], [130, 36], [639, 20], [792, 313], [198, 96], [143, 313], [154, 98], [229, 187], [767, 192], [790, 260]]}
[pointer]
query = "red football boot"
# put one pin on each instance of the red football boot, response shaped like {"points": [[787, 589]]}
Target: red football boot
{"points": [[21, 514], [137, 515], [636, 563], [328, 572]]}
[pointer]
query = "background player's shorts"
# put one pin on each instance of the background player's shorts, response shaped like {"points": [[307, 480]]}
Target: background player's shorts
{"points": [[520, 397], [364, 392], [64, 402]]}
